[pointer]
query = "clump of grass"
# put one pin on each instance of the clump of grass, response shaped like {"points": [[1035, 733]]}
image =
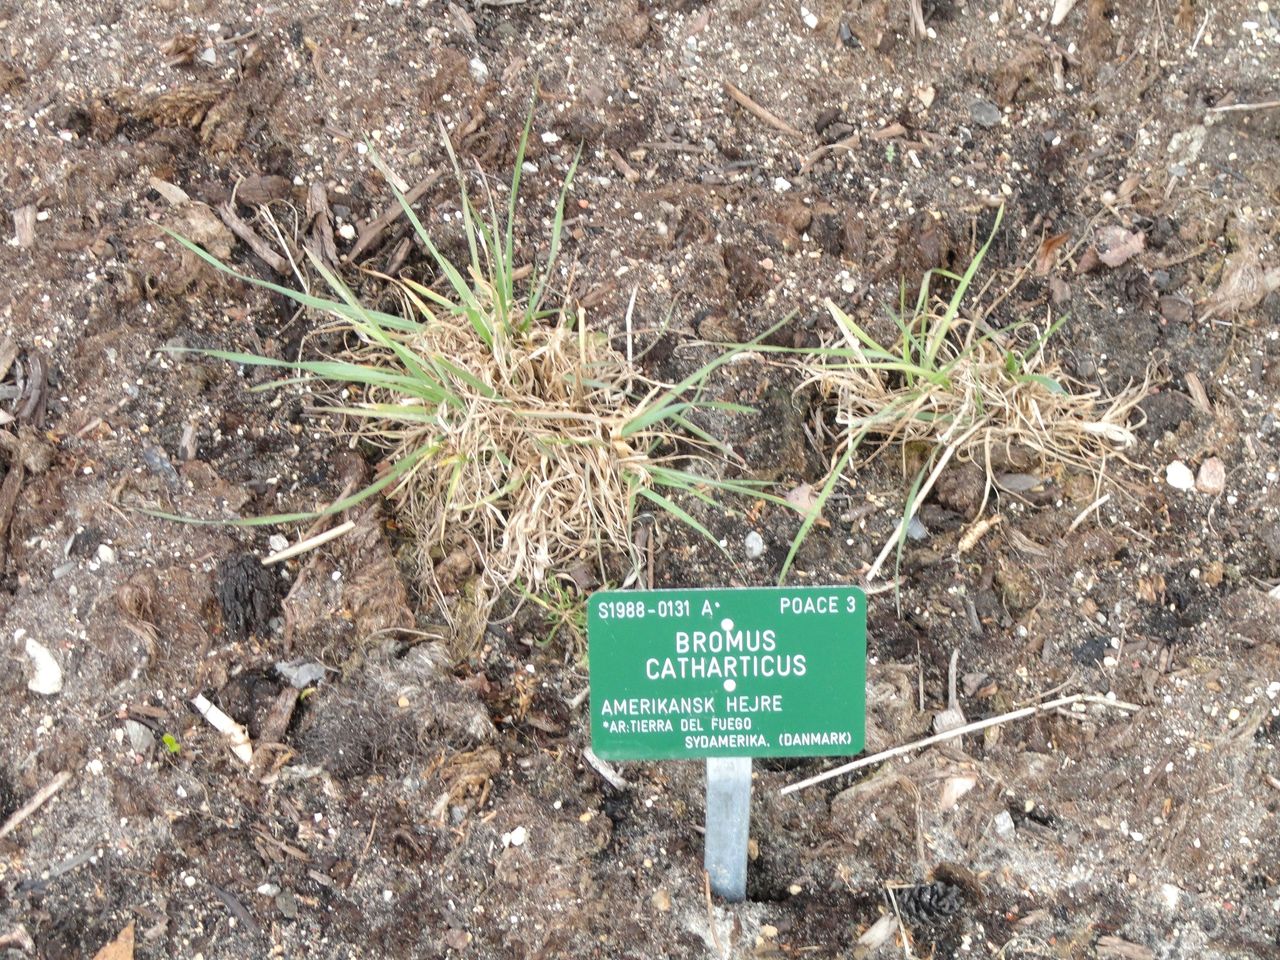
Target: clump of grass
{"points": [[955, 387], [510, 429]]}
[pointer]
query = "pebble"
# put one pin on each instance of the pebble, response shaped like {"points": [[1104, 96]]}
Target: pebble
{"points": [[1004, 824], [985, 113], [141, 739], [515, 838], [277, 542], [106, 554], [300, 674], [1179, 476], [755, 545], [479, 70], [47, 677], [1212, 478], [347, 232]]}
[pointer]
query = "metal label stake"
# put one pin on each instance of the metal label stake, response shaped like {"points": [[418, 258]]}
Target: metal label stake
{"points": [[728, 825]]}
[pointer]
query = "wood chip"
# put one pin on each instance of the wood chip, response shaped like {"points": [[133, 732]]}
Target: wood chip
{"points": [[121, 948], [24, 225], [1195, 387], [172, 193], [258, 190]]}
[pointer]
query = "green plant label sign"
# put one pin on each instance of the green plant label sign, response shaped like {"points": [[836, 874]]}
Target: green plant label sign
{"points": [[753, 672]]}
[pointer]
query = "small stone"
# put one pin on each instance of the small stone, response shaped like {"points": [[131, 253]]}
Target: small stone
{"points": [[187, 447], [1179, 476], [347, 232], [1004, 824], [661, 900], [268, 889], [515, 838], [985, 113], [277, 542], [1212, 478], [479, 70], [287, 904], [809, 17], [106, 554], [141, 739], [781, 184], [755, 545], [549, 138], [47, 677], [300, 674]]}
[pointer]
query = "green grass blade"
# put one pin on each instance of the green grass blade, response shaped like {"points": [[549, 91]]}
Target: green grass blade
{"points": [[675, 510]]}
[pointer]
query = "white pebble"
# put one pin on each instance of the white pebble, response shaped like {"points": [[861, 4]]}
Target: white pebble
{"points": [[47, 678], [755, 545], [106, 554], [515, 838], [347, 232], [781, 184], [809, 17], [277, 542], [1179, 476]]}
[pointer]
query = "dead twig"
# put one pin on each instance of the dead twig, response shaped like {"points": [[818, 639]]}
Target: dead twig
{"points": [[1246, 107], [711, 916], [372, 231], [38, 800], [958, 732], [761, 113], [302, 546], [254, 241], [976, 532], [610, 775], [9, 490], [1083, 514]]}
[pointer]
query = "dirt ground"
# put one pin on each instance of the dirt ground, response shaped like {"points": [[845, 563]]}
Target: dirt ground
{"points": [[741, 159]]}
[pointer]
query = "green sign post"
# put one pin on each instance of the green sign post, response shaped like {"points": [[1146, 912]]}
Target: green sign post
{"points": [[732, 673]]}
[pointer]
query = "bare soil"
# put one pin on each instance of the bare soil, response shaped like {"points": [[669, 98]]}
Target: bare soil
{"points": [[430, 797]]}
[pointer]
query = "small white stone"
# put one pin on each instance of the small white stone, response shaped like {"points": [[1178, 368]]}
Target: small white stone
{"points": [[106, 554], [47, 677], [782, 184], [1004, 824], [755, 545], [1179, 476], [479, 70], [515, 838], [550, 138], [94, 767], [347, 232], [809, 17], [277, 542]]}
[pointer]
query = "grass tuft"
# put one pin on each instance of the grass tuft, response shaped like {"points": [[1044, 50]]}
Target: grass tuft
{"points": [[952, 386], [510, 429]]}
